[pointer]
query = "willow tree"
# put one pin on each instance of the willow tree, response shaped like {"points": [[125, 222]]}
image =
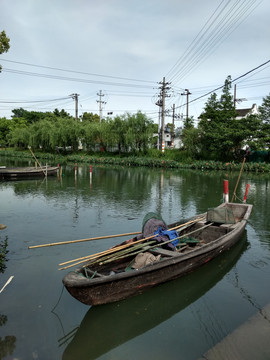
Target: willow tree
{"points": [[140, 131]]}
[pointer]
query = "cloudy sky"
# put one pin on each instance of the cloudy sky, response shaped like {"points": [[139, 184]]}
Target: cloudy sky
{"points": [[125, 48]]}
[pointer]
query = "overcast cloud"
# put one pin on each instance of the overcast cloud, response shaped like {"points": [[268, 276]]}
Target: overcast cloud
{"points": [[138, 40]]}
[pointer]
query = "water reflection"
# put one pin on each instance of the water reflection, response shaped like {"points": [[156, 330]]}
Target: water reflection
{"points": [[8, 343], [105, 327]]}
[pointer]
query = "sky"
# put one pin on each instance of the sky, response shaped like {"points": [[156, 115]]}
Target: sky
{"points": [[124, 49]]}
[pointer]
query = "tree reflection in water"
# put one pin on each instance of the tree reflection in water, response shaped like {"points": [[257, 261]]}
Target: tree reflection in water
{"points": [[8, 343]]}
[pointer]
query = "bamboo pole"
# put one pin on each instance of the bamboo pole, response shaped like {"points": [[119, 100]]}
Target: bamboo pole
{"points": [[102, 253], [37, 161], [238, 179], [120, 247], [159, 245], [116, 248], [101, 237], [6, 284], [82, 240]]}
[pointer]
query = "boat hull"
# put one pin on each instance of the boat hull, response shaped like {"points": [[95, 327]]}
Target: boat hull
{"points": [[105, 289], [27, 172]]}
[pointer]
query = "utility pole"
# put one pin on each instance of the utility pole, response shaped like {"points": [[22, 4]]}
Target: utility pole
{"points": [[172, 134], [235, 100], [75, 97], [187, 93], [163, 94], [234, 96], [100, 102]]}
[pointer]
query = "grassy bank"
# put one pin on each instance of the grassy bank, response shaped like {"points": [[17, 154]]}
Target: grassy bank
{"points": [[163, 161]]}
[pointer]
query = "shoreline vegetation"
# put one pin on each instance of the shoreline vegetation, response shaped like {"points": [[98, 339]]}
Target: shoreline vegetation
{"points": [[166, 160]]}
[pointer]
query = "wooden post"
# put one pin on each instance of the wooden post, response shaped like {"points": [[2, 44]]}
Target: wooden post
{"points": [[225, 191], [245, 197]]}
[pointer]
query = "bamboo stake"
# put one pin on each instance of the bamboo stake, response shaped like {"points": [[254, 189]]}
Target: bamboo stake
{"points": [[238, 179], [153, 246], [9, 280], [120, 247], [102, 253], [37, 161], [82, 240], [127, 252], [126, 245]]}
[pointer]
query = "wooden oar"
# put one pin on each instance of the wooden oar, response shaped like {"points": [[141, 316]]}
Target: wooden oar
{"points": [[81, 240], [120, 247]]}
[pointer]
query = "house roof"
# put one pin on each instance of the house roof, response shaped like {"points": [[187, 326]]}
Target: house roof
{"points": [[245, 112], [242, 112]]}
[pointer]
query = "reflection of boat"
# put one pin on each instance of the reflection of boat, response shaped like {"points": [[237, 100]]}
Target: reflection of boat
{"points": [[107, 326], [26, 172], [111, 278]]}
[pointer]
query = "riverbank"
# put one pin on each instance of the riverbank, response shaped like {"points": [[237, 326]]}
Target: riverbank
{"points": [[109, 159]]}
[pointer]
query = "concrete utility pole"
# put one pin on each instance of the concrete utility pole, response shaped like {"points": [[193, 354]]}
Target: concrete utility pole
{"points": [[75, 97], [172, 134], [100, 102], [163, 94], [187, 93], [234, 96]]}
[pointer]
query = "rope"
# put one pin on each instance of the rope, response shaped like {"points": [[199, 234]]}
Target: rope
{"points": [[58, 300]]}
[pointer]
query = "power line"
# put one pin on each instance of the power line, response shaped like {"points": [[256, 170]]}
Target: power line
{"points": [[210, 37], [78, 72], [32, 101], [57, 77], [234, 80]]}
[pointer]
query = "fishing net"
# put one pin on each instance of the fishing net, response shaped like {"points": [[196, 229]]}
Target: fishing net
{"points": [[221, 215], [151, 215]]}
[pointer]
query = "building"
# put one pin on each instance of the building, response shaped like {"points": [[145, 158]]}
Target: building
{"points": [[242, 113]]}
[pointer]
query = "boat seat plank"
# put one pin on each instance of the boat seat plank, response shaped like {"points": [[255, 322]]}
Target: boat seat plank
{"points": [[164, 252], [93, 273]]}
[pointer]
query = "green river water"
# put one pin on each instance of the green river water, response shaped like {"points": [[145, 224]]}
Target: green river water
{"points": [[182, 319]]}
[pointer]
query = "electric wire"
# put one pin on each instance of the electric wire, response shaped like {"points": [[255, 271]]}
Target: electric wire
{"points": [[78, 72], [220, 27], [57, 77], [214, 40], [234, 80]]}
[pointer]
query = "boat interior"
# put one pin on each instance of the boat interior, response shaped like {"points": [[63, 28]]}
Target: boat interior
{"points": [[200, 231]]}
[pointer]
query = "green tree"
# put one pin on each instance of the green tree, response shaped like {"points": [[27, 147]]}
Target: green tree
{"points": [[189, 123], [4, 44], [264, 110], [5, 126], [119, 131], [220, 135], [90, 117], [29, 116], [61, 113], [191, 141], [140, 131]]}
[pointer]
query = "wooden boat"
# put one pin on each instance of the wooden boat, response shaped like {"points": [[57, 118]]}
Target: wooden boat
{"points": [[139, 314], [110, 277], [26, 172]]}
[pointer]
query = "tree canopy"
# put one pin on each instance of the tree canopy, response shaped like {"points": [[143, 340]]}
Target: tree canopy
{"points": [[54, 130], [222, 135], [4, 44]]}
